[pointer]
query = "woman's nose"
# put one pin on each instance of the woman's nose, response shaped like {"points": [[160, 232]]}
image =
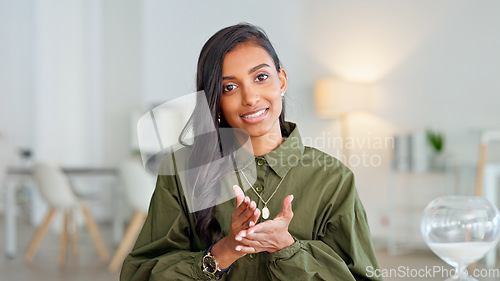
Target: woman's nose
{"points": [[250, 97]]}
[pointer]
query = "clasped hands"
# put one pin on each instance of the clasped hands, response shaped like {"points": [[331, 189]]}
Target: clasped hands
{"points": [[246, 236]]}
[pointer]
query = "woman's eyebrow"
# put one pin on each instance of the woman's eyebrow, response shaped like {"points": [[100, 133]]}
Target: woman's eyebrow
{"points": [[253, 69]]}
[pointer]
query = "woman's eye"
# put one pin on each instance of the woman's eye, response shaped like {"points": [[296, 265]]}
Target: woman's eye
{"points": [[229, 87], [261, 77]]}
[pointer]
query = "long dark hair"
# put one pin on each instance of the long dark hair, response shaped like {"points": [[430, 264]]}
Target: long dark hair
{"points": [[205, 148]]}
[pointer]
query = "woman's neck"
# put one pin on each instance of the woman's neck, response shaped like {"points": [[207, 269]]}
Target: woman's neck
{"points": [[262, 145]]}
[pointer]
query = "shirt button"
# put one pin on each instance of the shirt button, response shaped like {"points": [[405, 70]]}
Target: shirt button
{"points": [[260, 162], [252, 255], [259, 188]]}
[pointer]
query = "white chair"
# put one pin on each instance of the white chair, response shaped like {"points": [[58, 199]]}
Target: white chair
{"points": [[139, 186], [56, 189]]}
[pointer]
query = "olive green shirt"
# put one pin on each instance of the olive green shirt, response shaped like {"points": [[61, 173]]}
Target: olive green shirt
{"points": [[333, 241]]}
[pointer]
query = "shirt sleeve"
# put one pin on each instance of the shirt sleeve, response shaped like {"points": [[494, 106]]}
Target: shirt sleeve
{"points": [[343, 250], [164, 250]]}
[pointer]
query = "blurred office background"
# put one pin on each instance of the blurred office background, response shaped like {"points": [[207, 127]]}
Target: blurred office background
{"points": [[74, 75]]}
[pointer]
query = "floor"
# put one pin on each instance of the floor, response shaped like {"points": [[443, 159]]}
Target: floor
{"points": [[417, 265], [87, 266]]}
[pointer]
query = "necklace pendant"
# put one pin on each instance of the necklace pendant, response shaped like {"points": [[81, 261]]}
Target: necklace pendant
{"points": [[265, 213]]}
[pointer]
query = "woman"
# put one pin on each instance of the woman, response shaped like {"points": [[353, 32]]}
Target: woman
{"points": [[257, 235]]}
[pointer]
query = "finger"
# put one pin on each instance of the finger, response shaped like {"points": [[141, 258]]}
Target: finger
{"points": [[249, 239], [287, 208], [255, 217], [251, 227], [242, 207], [261, 227], [256, 244], [240, 196], [242, 234], [242, 220], [245, 249]]}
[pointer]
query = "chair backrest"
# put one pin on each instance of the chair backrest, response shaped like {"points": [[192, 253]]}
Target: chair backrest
{"points": [[139, 185], [54, 185]]}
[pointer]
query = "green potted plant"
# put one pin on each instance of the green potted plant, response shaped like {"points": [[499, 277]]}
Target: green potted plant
{"points": [[437, 157]]}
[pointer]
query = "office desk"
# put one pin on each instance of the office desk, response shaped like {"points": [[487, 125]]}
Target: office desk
{"points": [[11, 208]]}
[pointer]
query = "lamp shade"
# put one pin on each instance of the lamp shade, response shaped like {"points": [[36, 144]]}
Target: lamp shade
{"points": [[334, 97]]}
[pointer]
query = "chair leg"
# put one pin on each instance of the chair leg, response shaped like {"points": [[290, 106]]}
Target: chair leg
{"points": [[37, 238], [94, 233], [73, 234], [63, 243], [131, 233]]}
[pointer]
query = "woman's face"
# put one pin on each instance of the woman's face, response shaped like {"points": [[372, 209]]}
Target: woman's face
{"points": [[251, 97]]}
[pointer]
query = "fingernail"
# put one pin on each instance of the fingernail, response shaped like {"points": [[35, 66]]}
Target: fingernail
{"points": [[238, 238], [292, 199], [251, 231], [252, 205], [251, 224], [255, 212], [247, 199], [243, 234], [238, 248]]}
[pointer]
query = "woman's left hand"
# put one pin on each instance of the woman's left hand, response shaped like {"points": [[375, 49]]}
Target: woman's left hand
{"points": [[271, 235]]}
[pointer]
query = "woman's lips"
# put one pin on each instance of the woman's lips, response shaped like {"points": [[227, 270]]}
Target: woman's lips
{"points": [[255, 116]]}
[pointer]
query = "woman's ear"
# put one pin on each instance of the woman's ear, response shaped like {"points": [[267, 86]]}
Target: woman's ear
{"points": [[283, 80]]}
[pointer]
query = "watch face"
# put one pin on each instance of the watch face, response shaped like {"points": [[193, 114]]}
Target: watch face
{"points": [[209, 264]]}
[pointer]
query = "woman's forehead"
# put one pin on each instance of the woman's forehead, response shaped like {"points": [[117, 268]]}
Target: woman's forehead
{"points": [[245, 56]]}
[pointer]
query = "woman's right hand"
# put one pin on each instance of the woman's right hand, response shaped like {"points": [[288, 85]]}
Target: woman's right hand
{"points": [[244, 216]]}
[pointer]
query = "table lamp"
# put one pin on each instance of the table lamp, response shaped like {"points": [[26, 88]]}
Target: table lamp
{"points": [[335, 98]]}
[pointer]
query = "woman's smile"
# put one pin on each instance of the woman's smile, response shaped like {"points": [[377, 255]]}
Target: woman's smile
{"points": [[255, 116]]}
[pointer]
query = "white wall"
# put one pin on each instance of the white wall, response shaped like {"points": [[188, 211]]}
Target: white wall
{"points": [[60, 92], [70, 76], [122, 76], [434, 65], [16, 71]]}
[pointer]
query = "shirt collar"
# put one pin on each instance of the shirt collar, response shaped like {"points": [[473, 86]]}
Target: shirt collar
{"points": [[287, 155]]}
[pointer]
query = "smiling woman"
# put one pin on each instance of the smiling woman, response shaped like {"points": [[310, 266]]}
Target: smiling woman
{"points": [[325, 236], [253, 89]]}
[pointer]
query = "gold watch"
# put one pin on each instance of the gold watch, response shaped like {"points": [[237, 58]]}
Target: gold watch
{"points": [[210, 266]]}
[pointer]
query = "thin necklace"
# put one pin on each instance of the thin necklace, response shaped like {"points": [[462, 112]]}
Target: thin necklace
{"points": [[265, 210]]}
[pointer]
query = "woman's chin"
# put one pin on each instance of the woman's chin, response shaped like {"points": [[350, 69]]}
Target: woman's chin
{"points": [[260, 131]]}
